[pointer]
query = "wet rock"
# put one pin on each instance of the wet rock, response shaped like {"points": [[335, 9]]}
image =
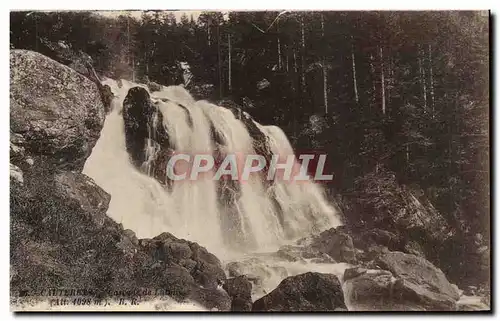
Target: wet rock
{"points": [[107, 97], [354, 272], [57, 111], [137, 110], [290, 253], [294, 253], [143, 121], [371, 290], [234, 269], [256, 268], [215, 299], [131, 236], [240, 291], [152, 86], [305, 292]]}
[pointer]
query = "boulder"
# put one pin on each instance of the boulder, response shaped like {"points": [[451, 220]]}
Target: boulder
{"points": [[337, 243], [203, 266], [240, 291], [55, 112], [213, 299], [376, 236], [418, 271], [305, 292], [60, 235], [371, 290], [402, 282], [256, 268]]}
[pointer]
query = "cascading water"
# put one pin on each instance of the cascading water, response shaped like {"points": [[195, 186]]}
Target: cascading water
{"points": [[137, 201], [234, 220], [192, 209]]}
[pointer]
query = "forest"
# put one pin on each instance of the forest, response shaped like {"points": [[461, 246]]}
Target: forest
{"points": [[394, 98]]}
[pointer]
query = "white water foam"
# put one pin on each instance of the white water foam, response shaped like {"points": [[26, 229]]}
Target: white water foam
{"points": [[191, 210]]}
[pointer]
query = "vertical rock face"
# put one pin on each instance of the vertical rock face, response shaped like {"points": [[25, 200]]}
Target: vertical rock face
{"points": [[137, 110], [144, 130], [305, 292], [55, 112]]}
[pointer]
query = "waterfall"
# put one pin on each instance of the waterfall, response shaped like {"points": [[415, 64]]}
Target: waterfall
{"points": [[223, 216]]}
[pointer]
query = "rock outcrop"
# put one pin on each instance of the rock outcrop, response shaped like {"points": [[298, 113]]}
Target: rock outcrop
{"points": [[336, 243], [305, 292], [203, 266], [61, 237], [60, 234], [401, 282], [56, 113]]}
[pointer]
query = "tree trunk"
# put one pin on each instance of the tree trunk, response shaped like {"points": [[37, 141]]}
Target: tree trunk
{"points": [[295, 62], [128, 40], [229, 61], [390, 81], [382, 80], [287, 58], [325, 79], [279, 47], [407, 155], [219, 62], [424, 82], [431, 80], [133, 68], [355, 83], [303, 61], [208, 32], [374, 76], [325, 86], [422, 77]]}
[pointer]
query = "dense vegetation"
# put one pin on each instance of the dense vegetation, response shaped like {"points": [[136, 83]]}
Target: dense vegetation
{"points": [[391, 97]]}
